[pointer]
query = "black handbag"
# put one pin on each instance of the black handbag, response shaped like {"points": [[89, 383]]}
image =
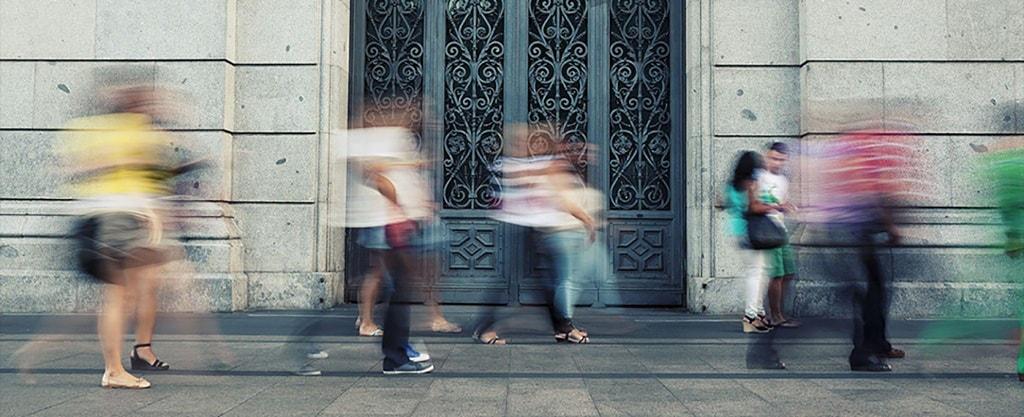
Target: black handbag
{"points": [[764, 233]]}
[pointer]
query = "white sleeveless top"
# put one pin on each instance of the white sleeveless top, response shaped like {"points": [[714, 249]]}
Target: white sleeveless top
{"points": [[527, 195]]}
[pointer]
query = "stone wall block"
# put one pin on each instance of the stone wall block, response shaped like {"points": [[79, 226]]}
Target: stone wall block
{"points": [[202, 91], [17, 88], [160, 29], [23, 292], [275, 168], [66, 90], [756, 101], [40, 29], [761, 32], [277, 99], [873, 30], [993, 299], [985, 30], [277, 237], [958, 265], [214, 182], [272, 31], [838, 92], [32, 169], [951, 97], [308, 291]]}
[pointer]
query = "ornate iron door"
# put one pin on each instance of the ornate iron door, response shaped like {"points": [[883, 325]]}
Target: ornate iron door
{"points": [[601, 72]]}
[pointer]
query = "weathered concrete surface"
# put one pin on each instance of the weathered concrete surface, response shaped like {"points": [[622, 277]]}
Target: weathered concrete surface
{"points": [[641, 363]]}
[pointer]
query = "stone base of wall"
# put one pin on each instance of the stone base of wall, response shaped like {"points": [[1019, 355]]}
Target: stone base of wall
{"points": [[66, 291], [909, 300], [294, 290]]}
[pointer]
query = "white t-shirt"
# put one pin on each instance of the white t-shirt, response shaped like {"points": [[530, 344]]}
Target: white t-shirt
{"points": [[772, 189], [527, 196], [365, 206], [413, 192]]}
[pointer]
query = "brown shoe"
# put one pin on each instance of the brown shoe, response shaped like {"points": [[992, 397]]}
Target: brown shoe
{"points": [[754, 325], [893, 354]]}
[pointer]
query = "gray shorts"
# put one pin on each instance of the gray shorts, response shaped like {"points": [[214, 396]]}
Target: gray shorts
{"points": [[110, 241]]}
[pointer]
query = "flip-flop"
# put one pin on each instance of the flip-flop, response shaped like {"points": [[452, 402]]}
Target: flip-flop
{"points": [[378, 332], [496, 340], [445, 327]]}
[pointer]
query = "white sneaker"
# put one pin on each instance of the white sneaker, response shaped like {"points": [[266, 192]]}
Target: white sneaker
{"points": [[320, 354], [308, 370]]}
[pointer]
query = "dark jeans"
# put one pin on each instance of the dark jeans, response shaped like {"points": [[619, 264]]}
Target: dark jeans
{"points": [[871, 300], [396, 324]]}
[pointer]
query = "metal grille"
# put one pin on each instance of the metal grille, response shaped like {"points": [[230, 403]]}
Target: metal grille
{"points": [[394, 63], [558, 77], [473, 103], [640, 163]]}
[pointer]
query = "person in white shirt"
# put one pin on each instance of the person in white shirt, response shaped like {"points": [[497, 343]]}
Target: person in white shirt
{"points": [[780, 262]]}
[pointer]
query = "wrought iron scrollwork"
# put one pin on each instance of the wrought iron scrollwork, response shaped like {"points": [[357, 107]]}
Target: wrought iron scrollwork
{"points": [[640, 120], [474, 101], [394, 63], [558, 77]]}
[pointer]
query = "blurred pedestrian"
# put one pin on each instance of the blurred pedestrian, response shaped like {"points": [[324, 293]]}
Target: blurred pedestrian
{"points": [[781, 262], [865, 172], [1004, 167], [742, 200], [384, 225], [122, 166], [536, 198]]}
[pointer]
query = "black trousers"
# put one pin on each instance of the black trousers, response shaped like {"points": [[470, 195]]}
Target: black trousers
{"points": [[869, 291], [396, 323]]}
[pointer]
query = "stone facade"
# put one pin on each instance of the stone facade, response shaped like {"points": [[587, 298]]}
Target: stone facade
{"points": [[762, 67], [264, 80], [268, 80]]}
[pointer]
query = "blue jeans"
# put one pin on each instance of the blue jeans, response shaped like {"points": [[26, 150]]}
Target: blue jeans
{"points": [[562, 249]]}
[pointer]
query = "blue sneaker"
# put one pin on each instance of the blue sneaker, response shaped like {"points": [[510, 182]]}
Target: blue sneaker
{"points": [[415, 356], [409, 368]]}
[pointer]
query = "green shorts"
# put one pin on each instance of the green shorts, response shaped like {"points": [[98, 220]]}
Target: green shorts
{"points": [[781, 262]]}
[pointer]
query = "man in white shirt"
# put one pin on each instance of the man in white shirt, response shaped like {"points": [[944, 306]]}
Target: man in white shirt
{"points": [[781, 262]]}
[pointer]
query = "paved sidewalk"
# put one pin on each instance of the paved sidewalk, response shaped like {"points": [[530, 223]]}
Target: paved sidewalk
{"points": [[641, 363]]}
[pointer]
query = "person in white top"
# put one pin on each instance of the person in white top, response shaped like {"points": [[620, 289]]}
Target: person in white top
{"points": [[781, 262], [387, 229], [367, 211], [536, 194]]}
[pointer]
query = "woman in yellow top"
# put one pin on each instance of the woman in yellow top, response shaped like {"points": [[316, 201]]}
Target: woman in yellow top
{"points": [[121, 170]]}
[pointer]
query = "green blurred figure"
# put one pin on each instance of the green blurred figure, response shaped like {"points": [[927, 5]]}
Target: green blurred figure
{"points": [[1004, 167]]}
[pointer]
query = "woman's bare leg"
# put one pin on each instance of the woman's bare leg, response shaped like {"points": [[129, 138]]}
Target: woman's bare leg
{"points": [[110, 327], [368, 295]]}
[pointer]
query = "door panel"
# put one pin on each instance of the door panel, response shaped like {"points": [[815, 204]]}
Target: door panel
{"points": [[599, 73]]}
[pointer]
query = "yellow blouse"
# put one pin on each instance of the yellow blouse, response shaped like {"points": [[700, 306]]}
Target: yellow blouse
{"points": [[118, 154]]}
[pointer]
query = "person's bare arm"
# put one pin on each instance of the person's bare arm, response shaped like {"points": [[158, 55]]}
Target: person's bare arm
{"points": [[374, 175], [756, 206], [562, 183]]}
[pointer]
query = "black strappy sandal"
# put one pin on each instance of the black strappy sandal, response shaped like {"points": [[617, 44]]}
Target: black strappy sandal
{"points": [[496, 340], [139, 364]]}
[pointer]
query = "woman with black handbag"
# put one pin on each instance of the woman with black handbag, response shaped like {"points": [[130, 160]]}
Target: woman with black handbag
{"points": [[755, 232]]}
